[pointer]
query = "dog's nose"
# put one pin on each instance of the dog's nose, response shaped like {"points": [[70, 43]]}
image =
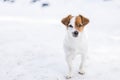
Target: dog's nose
{"points": [[75, 32]]}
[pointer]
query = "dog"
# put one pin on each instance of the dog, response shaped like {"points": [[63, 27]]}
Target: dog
{"points": [[75, 41]]}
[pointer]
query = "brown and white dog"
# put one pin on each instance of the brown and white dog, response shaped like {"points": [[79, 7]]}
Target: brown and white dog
{"points": [[75, 42]]}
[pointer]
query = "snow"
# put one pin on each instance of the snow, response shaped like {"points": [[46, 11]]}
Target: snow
{"points": [[31, 39]]}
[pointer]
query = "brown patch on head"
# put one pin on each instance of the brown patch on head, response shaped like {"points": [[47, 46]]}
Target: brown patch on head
{"points": [[66, 20], [81, 22]]}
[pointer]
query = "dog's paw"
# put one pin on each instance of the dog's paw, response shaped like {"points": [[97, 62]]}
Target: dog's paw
{"points": [[81, 72], [68, 77]]}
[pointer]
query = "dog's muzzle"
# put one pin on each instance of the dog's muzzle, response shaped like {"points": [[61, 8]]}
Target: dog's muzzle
{"points": [[75, 33]]}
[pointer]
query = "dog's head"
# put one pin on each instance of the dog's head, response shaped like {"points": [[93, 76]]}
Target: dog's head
{"points": [[75, 24]]}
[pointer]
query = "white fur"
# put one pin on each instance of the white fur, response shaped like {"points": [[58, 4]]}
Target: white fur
{"points": [[74, 46]]}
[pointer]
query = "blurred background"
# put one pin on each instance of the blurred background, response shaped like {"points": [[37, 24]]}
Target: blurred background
{"points": [[31, 39]]}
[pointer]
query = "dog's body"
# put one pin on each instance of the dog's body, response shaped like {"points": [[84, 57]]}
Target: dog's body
{"points": [[75, 42]]}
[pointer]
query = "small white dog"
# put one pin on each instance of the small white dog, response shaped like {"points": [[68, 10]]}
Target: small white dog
{"points": [[75, 42]]}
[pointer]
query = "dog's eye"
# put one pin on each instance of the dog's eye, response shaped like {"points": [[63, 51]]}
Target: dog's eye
{"points": [[70, 26]]}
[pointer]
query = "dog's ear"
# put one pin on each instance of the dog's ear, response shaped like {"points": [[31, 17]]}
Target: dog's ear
{"points": [[66, 20], [84, 20]]}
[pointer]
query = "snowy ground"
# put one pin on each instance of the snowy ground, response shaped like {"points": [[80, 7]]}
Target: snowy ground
{"points": [[31, 40]]}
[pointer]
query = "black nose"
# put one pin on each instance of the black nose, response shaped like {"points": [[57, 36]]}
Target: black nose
{"points": [[75, 32]]}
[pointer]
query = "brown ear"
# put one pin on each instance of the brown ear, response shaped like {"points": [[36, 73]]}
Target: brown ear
{"points": [[66, 20], [85, 21]]}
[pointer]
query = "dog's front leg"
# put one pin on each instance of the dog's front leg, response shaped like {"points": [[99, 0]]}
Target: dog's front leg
{"points": [[82, 65], [69, 59]]}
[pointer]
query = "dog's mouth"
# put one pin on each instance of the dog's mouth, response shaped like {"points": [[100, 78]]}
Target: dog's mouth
{"points": [[75, 35]]}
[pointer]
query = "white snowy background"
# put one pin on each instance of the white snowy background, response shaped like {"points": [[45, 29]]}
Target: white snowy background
{"points": [[31, 39]]}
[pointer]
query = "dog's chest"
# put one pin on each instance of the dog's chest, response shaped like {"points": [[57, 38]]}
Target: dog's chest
{"points": [[75, 44]]}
